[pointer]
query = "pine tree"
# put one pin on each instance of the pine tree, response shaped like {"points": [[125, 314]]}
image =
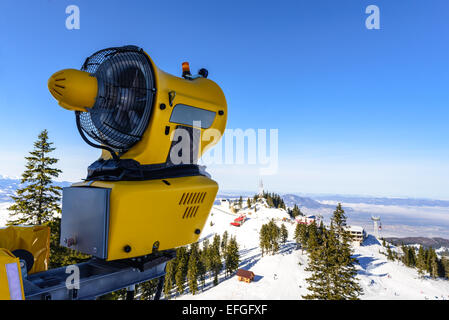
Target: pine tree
{"points": [[248, 203], [421, 261], [263, 239], [215, 258], [224, 242], [38, 200], [321, 265], [206, 257], [428, 259], [192, 270], [404, 257], [169, 278], [390, 255], [434, 267], [301, 236], [240, 202], [232, 256], [339, 223], [321, 228], [411, 257], [181, 269], [408, 257], [312, 237], [202, 268], [284, 233], [336, 249], [442, 267], [296, 235], [274, 236], [433, 263], [295, 211], [270, 202], [148, 289], [345, 285]]}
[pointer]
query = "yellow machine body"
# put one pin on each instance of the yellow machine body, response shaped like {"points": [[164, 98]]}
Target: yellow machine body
{"points": [[11, 286], [34, 239], [201, 93], [77, 90], [150, 213], [155, 215]]}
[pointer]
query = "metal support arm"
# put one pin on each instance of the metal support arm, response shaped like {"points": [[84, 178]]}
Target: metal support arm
{"points": [[96, 278]]}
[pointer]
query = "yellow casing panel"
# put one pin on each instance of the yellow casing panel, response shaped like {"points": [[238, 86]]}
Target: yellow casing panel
{"points": [[6, 257], [143, 212], [35, 239], [200, 93]]}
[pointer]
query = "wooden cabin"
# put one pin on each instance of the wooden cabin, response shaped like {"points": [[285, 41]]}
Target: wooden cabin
{"points": [[245, 275]]}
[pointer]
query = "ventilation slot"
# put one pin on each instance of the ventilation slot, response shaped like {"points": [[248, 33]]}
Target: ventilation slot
{"points": [[191, 201], [192, 198], [190, 212]]}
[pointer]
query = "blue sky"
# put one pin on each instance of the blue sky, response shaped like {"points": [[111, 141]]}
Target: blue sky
{"points": [[358, 111]]}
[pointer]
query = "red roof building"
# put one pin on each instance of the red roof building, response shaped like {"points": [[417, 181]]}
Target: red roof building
{"points": [[245, 275]]}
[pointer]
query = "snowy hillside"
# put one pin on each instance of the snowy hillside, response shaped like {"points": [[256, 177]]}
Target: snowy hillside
{"points": [[282, 276], [4, 214]]}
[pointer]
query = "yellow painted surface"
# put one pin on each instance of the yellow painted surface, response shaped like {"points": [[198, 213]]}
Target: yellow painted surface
{"points": [[74, 90], [35, 239], [6, 257], [145, 212], [200, 93]]}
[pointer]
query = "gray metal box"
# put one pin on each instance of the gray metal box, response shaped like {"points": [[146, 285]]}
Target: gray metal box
{"points": [[85, 220]]}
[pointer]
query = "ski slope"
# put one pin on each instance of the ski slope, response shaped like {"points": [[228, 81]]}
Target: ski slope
{"points": [[282, 276]]}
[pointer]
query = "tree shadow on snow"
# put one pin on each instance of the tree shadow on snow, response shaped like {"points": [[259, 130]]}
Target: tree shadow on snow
{"points": [[367, 263], [370, 241], [287, 248]]}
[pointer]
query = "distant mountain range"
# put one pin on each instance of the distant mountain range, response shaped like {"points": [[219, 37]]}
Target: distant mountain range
{"points": [[384, 201], [435, 243], [313, 201], [7, 188], [9, 185], [292, 199]]}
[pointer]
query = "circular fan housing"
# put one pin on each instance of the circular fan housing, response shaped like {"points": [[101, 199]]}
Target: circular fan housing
{"points": [[125, 96]]}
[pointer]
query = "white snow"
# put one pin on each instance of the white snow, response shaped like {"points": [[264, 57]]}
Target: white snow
{"points": [[4, 213], [282, 276]]}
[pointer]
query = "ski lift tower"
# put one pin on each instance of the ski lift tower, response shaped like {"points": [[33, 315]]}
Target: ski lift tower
{"points": [[260, 188], [376, 222]]}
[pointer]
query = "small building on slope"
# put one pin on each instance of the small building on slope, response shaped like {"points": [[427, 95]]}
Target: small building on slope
{"points": [[357, 234], [245, 275]]}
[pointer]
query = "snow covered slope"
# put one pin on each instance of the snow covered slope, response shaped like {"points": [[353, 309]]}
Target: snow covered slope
{"points": [[282, 276], [4, 213]]}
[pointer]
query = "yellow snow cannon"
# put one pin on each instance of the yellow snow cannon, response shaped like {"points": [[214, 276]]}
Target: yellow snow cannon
{"points": [[146, 193]]}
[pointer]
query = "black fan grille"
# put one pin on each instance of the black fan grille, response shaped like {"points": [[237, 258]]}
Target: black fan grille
{"points": [[122, 109]]}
